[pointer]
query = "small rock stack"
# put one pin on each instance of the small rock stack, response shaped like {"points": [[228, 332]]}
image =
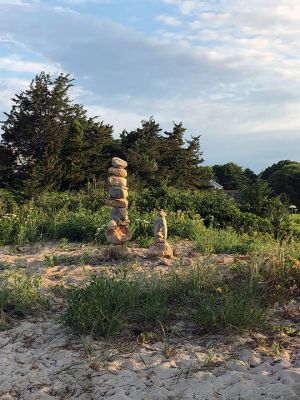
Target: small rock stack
{"points": [[160, 248], [118, 232]]}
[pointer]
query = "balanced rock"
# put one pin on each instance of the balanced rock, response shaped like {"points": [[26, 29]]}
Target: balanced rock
{"points": [[117, 251], [117, 234], [117, 181], [161, 249], [118, 192], [117, 172], [119, 214], [118, 163], [160, 229], [120, 203]]}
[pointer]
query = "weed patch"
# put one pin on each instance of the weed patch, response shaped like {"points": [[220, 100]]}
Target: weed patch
{"points": [[108, 305], [238, 297], [19, 294]]}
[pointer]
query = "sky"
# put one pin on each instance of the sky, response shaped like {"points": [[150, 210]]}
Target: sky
{"points": [[228, 69]]}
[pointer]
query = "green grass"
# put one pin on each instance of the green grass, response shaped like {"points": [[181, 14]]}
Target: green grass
{"points": [[227, 241], [296, 224], [108, 305], [53, 260], [19, 294], [214, 299], [83, 216]]}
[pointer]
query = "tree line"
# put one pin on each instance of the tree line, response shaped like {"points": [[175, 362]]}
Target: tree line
{"points": [[49, 143]]}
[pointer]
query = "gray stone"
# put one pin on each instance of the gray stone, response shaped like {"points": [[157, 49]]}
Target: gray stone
{"points": [[117, 192], [117, 181], [120, 203], [119, 214], [117, 251], [160, 228]]}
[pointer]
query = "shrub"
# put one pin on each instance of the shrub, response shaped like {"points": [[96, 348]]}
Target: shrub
{"points": [[82, 216]]}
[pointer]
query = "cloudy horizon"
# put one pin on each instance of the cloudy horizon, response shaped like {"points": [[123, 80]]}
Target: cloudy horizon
{"points": [[228, 69]]}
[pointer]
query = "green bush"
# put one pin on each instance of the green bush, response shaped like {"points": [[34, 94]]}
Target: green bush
{"points": [[82, 216]]}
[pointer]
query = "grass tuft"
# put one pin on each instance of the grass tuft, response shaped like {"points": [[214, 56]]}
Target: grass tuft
{"points": [[19, 294]]}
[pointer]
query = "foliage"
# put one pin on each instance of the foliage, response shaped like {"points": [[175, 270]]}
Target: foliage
{"points": [[227, 241], [256, 197], [107, 305], [83, 216], [48, 142], [287, 181], [18, 294], [284, 178], [267, 173], [55, 216], [155, 158], [228, 307], [232, 176], [214, 298]]}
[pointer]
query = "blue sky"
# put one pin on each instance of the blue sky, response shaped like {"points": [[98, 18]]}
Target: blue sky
{"points": [[229, 69]]}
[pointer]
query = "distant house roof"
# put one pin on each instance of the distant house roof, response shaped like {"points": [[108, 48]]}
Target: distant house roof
{"points": [[215, 185]]}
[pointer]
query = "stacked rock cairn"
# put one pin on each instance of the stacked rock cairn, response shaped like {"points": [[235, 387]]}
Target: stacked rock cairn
{"points": [[118, 232], [160, 248]]}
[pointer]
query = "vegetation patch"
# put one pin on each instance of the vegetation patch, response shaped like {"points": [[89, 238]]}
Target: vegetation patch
{"points": [[108, 305], [19, 294], [212, 298]]}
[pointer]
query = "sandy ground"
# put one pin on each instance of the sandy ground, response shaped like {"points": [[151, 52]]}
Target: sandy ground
{"points": [[40, 359]]}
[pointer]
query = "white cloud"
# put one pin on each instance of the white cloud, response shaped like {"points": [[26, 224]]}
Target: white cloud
{"points": [[16, 64], [167, 20], [185, 6], [8, 88], [228, 69]]}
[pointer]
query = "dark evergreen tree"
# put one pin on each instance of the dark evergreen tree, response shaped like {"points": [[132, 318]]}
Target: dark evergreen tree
{"points": [[72, 156], [49, 141], [7, 163], [180, 159], [35, 130], [99, 147], [167, 158], [142, 148]]}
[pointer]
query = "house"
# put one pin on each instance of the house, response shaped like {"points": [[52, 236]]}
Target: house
{"points": [[215, 185]]}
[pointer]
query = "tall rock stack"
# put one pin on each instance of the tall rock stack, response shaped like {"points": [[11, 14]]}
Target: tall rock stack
{"points": [[118, 232]]}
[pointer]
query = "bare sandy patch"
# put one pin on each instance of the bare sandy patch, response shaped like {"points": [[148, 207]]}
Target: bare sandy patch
{"points": [[41, 359]]}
